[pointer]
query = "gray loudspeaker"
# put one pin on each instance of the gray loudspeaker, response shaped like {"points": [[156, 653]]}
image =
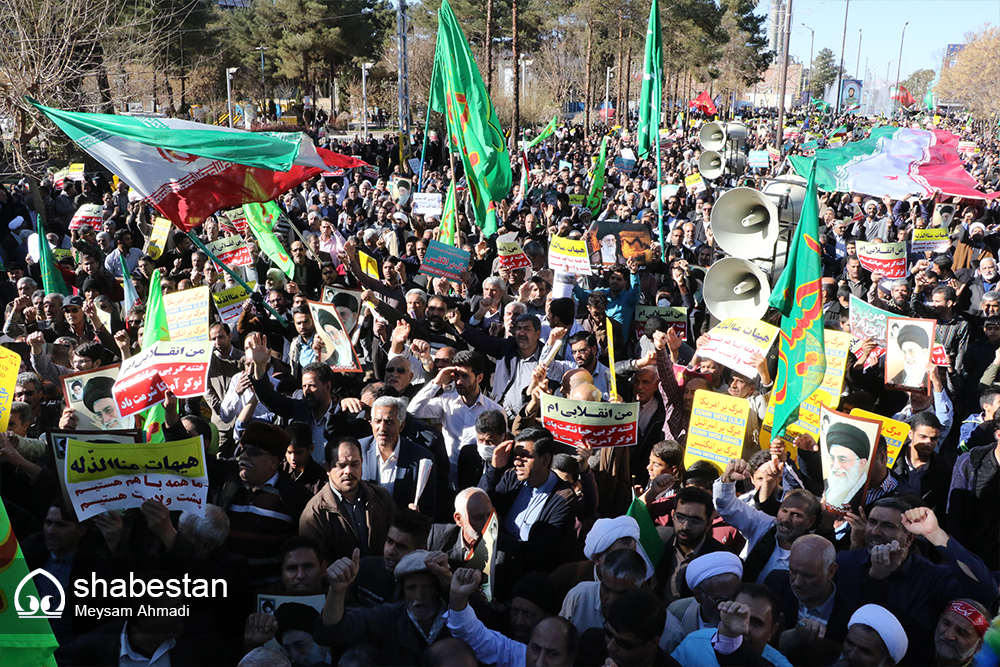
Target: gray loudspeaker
{"points": [[712, 164], [745, 223], [713, 136], [789, 194], [736, 288]]}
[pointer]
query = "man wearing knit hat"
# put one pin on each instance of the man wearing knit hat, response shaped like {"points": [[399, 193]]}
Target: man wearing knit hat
{"points": [[874, 638], [959, 632], [848, 451], [914, 346]]}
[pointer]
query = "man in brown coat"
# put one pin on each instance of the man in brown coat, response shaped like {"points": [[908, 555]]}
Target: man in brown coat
{"points": [[347, 513]]}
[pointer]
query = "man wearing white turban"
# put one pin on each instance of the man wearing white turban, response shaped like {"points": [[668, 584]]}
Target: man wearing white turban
{"points": [[874, 638], [712, 578]]}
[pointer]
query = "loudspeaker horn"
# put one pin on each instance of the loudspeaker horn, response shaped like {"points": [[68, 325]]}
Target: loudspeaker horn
{"points": [[714, 136], [712, 164], [789, 194], [736, 288], [745, 223]]}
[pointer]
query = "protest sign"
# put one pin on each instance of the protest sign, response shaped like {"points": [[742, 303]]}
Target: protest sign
{"points": [[932, 239], [144, 379], [908, 350], [578, 199], [75, 172], [943, 215], [968, 147], [10, 364], [157, 242], [333, 173], [369, 266], [569, 255], [591, 423], [837, 344], [695, 183], [414, 164], [668, 190], [847, 445], [675, 317], [88, 214], [108, 476], [810, 145], [889, 259], [511, 255], [338, 352], [717, 428], [758, 159], [369, 171], [187, 314], [625, 165], [427, 203], [347, 302], [446, 261], [230, 302], [939, 355], [734, 342], [563, 164], [867, 321], [611, 243], [89, 394], [231, 251], [894, 432]]}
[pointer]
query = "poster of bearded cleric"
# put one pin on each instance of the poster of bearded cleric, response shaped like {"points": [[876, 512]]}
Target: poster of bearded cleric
{"points": [[88, 393], [847, 445], [908, 353]]}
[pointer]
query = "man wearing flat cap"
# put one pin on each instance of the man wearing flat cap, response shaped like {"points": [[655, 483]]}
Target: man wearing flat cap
{"points": [[915, 346], [849, 450]]}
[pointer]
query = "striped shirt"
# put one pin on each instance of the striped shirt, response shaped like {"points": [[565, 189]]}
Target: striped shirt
{"points": [[259, 523]]}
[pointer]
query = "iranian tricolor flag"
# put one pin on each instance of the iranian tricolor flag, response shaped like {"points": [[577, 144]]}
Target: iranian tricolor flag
{"points": [[898, 162], [188, 171], [903, 96]]}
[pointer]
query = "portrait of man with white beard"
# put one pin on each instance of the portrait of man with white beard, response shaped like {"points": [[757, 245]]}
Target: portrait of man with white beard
{"points": [[847, 450]]}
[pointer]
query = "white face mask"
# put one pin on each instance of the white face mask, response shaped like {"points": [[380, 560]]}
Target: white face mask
{"points": [[663, 303]]}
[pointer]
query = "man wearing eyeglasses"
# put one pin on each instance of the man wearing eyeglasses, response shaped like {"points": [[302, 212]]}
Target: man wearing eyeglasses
{"points": [[691, 539]]}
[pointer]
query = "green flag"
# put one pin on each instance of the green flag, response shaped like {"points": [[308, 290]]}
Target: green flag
{"points": [[473, 127], [52, 279], [546, 132], [647, 133], [819, 104], [596, 196], [449, 217], [154, 328], [26, 640], [649, 539], [260, 220], [798, 295]]}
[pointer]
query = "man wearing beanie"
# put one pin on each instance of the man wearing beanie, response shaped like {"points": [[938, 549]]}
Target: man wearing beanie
{"points": [[262, 502]]}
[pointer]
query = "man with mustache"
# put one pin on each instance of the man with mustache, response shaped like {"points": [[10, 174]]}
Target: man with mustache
{"points": [[691, 520], [959, 632]]}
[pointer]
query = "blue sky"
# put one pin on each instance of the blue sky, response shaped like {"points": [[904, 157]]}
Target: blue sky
{"points": [[933, 25]]}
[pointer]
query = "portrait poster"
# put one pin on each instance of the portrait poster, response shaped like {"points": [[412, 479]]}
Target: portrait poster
{"points": [[847, 445], [89, 394], [347, 302], [338, 352], [908, 352], [611, 243]]}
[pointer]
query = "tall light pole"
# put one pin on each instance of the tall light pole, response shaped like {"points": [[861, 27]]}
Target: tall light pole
{"points": [[364, 99], [899, 63], [812, 39], [859, 51], [780, 130], [263, 87], [843, 44], [607, 85], [229, 91]]}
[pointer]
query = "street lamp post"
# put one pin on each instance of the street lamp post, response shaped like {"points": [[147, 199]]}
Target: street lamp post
{"points": [[229, 91], [899, 63], [812, 39], [843, 43], [364, 99], [263, 86], [607, 87]]}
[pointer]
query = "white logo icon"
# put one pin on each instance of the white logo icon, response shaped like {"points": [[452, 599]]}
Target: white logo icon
{"points": [[35, 607]]}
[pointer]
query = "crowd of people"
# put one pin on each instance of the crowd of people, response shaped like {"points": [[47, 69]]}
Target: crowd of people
{"points": [[517, 549]]}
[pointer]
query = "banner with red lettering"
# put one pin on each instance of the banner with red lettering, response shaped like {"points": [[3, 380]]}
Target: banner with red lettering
{"points": [[145, 378], [591, 423], [889, 259]]}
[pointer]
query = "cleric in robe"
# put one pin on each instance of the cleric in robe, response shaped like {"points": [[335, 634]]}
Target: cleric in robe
{"points": [[848, 451], [915, 349]]}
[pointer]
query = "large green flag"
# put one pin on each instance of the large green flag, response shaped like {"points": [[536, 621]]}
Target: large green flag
{"points": [[52, 279], [449, 217], [260, 220], [473, 126], [647, 133], [596, 195], [649, 539], [798, 295], [154, 329], [546, 132]]}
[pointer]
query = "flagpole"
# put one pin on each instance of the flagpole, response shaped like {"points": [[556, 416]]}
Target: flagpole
{"points": [[427, 124], [658, 90], [239, 279]]}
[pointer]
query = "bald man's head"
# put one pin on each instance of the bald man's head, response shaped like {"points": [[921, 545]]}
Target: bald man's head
{"points": [[574, 377], [585, 392], [554, 641], [811, 568]]}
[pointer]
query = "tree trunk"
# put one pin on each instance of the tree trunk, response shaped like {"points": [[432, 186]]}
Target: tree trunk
{"points": [[590, 69], [515, 126], [628, 79], [489, 47], [618, 84]]}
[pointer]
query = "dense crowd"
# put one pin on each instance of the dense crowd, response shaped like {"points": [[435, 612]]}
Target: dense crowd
{"points": [[520, 550]]}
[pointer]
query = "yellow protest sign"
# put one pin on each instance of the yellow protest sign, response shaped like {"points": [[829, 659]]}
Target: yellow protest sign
{"points": [[230, 302], [157, 242], [105, 476], [368, 265], [838, 344], [10, 365], [717, 428], [894, 432], [187, 314], [933, 239], [695, 183], [736, 342], [569, 255]]}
